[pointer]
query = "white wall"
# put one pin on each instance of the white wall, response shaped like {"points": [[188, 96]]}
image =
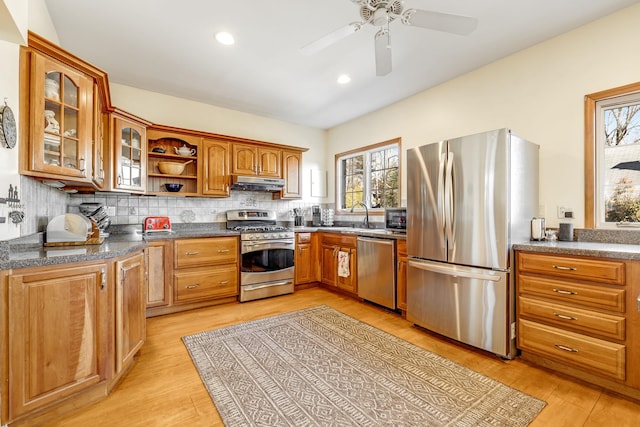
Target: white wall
{"points": [[22, 15], [14, 20], [172, 111], [538, 92]]}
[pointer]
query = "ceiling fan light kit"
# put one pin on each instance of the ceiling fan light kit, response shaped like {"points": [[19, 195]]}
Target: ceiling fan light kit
{"points": [[380, 13]]}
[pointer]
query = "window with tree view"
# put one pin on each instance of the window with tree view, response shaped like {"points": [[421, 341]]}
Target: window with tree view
{"points": [[617, 127], [369, 176]]}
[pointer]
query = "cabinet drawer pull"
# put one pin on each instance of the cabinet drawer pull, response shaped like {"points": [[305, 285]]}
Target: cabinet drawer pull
{"points": [[223, 282], [561, 267], [223, 251], [192, 286], [565, 348], [564, 316], [563, 292], [192, 253]]}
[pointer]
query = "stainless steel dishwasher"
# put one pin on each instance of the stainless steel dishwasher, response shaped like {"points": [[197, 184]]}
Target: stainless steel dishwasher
{"points": [[377, 270]]}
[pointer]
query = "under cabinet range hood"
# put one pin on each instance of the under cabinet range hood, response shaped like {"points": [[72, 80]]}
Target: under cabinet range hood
{"points": [[256, 183]]}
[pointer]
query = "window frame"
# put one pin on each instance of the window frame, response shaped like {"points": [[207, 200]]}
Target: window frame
{"points": [[592, 184], [364, 150]]}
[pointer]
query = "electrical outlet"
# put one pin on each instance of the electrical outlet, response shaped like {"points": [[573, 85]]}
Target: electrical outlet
{"points": [[565, 213], [111, 210]]}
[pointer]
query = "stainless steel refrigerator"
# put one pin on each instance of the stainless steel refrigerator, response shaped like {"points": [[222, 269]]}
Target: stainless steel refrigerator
{"points": [[468, 200]]}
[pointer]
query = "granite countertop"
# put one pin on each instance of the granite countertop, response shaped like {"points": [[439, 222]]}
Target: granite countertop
{"points": [[131, 239], [369, 232], [37, 256], [594, 249], [34, 254]]}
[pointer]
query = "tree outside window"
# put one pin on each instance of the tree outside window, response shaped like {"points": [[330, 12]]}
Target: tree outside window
{"points": [[370, 176], [612, 154]]}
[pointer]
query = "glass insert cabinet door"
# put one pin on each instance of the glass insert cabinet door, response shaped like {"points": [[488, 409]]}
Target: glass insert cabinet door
{"points": [[130, 140], [62, 117], [61, 121]]}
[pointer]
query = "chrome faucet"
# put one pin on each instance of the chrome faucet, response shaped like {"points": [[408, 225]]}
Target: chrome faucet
{"points": [[365, 223]]}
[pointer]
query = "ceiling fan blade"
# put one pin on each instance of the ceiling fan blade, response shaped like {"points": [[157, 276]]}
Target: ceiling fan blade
{"points": [[331, 38], [456, 24], [383, 52]]}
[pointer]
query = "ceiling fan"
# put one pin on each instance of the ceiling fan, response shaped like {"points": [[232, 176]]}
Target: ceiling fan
{"points": [[381, 13]]}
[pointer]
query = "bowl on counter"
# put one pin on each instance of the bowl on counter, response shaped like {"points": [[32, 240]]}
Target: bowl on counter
{"points": [[173, 188], [172, 168]]}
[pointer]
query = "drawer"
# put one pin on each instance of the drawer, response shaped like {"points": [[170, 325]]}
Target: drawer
{"points": [[584, 320], [303, 237], [207, 251], [339, 239], [206, 283], [577, 268], [607, 298], [592, 354]]}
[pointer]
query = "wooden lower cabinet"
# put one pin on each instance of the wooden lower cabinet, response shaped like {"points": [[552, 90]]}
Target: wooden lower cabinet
{"points": [[578, 315], [159, 259], [58, 331], [201, 272], [331, 245], [71, 331], [206, 283], [306, 258], [401, 275], [130, 309]]}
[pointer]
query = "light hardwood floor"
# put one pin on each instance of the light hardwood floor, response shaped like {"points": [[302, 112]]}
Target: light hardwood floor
{"points": [[164, 389]]}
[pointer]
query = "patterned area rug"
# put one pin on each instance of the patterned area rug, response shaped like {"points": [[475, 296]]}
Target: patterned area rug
{"points": [[319, 367]]}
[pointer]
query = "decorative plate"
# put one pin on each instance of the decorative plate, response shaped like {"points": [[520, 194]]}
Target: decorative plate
{"points": [[188, 216], [8, 128]]}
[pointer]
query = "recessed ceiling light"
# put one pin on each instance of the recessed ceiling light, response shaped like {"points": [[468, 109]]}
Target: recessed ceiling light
{"points": [[343, 79], [225, 38]]}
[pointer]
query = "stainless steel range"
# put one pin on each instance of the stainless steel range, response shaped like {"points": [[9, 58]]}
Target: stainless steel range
{"points": [[267, 251]]}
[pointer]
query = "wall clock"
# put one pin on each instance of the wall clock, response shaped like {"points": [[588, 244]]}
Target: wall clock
{"points": [[7, 126]]}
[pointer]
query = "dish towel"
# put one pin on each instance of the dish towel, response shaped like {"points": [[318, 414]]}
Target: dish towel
{"points": [[343, 264]]}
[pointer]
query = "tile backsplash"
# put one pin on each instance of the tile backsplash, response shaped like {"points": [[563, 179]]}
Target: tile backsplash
{"points": [[41, 203], [131, 209]]}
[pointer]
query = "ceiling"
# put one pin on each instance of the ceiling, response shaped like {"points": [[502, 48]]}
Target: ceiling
{"points": [[168, 46]]}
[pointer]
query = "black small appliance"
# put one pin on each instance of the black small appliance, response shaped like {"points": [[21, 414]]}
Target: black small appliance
{"points": [[315, 216]]}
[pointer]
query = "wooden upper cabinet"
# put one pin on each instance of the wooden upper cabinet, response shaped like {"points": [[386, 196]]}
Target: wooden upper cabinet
{"points": [[269, 162], [57, 119], [128, 155], [215, 171], [100, 144], [292, 174], [171, 145], [250, 159]]}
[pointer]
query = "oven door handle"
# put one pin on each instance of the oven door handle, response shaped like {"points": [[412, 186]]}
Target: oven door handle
{"points": [[268, 242], [266, 285]]}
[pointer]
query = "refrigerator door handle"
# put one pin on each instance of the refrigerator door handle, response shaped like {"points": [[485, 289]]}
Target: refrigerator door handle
{"points": [[441, 218], [448, 199], [453, 270]]}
